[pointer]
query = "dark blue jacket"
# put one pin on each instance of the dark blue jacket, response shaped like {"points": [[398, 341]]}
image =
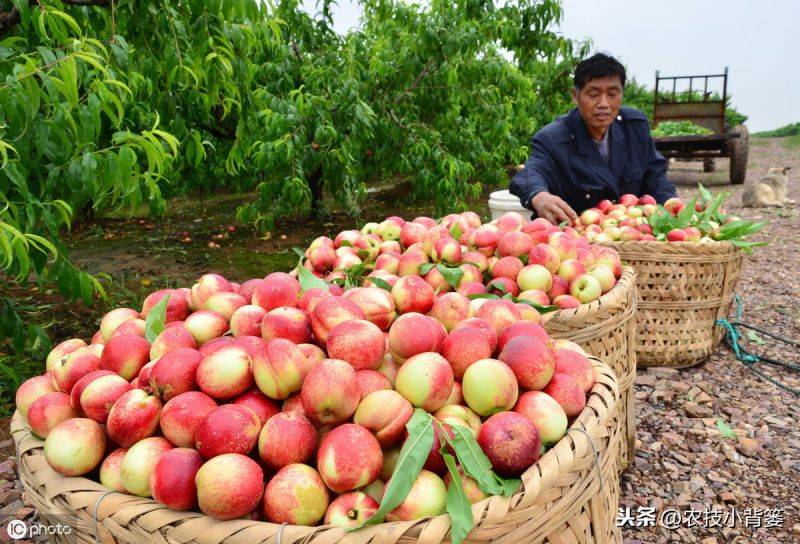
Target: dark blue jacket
{"points": [[565, 162]]}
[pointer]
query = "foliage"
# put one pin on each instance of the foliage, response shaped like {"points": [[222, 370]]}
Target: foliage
{"points": [[421, 428], [113, 105], [706, 213], [423, 90], [792, 129], [637, 95], [791, 132], [65, 145], [678, 128]]}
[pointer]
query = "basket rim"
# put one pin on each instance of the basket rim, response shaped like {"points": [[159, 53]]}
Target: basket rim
{"points": [[600, 406], [625, 284], [715, 247]]}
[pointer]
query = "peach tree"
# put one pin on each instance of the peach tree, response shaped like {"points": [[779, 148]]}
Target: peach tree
{"points": [[115, 104]]}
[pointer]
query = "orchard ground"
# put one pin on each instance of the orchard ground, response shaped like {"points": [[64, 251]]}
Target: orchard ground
{"points": [[745, 489]]}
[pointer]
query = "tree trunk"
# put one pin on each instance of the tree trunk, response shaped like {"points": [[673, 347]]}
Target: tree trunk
{"points": [[315, 184]]}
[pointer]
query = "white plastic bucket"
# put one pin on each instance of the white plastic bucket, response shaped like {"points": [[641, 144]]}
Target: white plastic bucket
{"points": [[501, 202]]}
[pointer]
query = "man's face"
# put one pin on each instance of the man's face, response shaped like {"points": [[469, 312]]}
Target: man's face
{"points": [[598, 103]]}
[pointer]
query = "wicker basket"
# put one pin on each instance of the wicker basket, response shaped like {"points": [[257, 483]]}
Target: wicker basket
{"points": [[570, 497], [606, 328], [683, 288]]}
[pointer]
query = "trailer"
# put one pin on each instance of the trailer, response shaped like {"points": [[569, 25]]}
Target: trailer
{"points": [[707, 109]]}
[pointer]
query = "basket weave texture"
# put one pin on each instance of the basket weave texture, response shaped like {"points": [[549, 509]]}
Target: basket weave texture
{"points": [[683, 288], [606, 328], [569, 497]]}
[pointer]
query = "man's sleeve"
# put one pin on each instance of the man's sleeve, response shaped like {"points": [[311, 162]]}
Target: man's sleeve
{"points": [[654, 181], [534, 178]]}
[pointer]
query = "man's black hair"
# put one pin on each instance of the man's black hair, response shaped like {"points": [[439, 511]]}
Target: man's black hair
{"points": [[597, 66]]}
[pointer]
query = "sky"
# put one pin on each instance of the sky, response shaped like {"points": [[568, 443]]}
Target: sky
{"points": [[757, 41]]}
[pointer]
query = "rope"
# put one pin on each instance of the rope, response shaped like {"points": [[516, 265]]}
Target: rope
{"points": [[732, 337], [94, 514], [596, 455], [280, 532], [19, 443]]}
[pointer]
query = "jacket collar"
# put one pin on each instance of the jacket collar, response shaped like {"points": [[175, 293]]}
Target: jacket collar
{"points": [[586, 147]]}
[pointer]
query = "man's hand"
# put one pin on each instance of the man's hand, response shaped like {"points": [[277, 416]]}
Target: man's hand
{"points": [[552, 208]]}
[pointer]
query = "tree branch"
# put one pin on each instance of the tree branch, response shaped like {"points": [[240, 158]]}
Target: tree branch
{"points": [[425, 71], [220, 132], [8, 20], [297, 51]]}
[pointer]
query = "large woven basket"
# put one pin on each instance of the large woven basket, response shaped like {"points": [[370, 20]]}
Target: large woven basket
{"points": [[569, 497], [683, 288], [606, 328]]}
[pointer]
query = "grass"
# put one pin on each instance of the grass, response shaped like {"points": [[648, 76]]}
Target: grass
{"points": [[792, 142]]}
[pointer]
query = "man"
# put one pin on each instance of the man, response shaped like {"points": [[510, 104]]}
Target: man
{"points": [[599, 150]]}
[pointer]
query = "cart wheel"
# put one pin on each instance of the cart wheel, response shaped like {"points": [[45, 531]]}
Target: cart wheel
{"points": [[739, 147], [708, 164]]}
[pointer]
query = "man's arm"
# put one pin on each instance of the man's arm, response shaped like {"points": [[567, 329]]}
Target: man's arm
{"points": [[531, 185]]}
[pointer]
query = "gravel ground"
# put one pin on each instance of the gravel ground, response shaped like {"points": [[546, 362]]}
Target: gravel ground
{"points": [[743, 490], [726, 490]]}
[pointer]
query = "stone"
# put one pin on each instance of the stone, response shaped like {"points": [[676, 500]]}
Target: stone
{"points": [[645, 379], [12, 508], [693, 409], [727, 497], [7, 497], [663, 372], [680, 387], [775, 421], [672, 439], [749, 447], [703, 398], [684, 499], [23, 513], [681, 487], [697, 482], [8, 469]]}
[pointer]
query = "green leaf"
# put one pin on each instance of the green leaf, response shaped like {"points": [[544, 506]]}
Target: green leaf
{"points": [[309, 281], [300, 253], [538, 307], [451, 275], [425, 268], [476, 464], [497, 285], [383, 284], [458, 505], [725, 430], [455, 231], [491, 296], [156, 319], [412, 458], [704, 194], [751, 335]]}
